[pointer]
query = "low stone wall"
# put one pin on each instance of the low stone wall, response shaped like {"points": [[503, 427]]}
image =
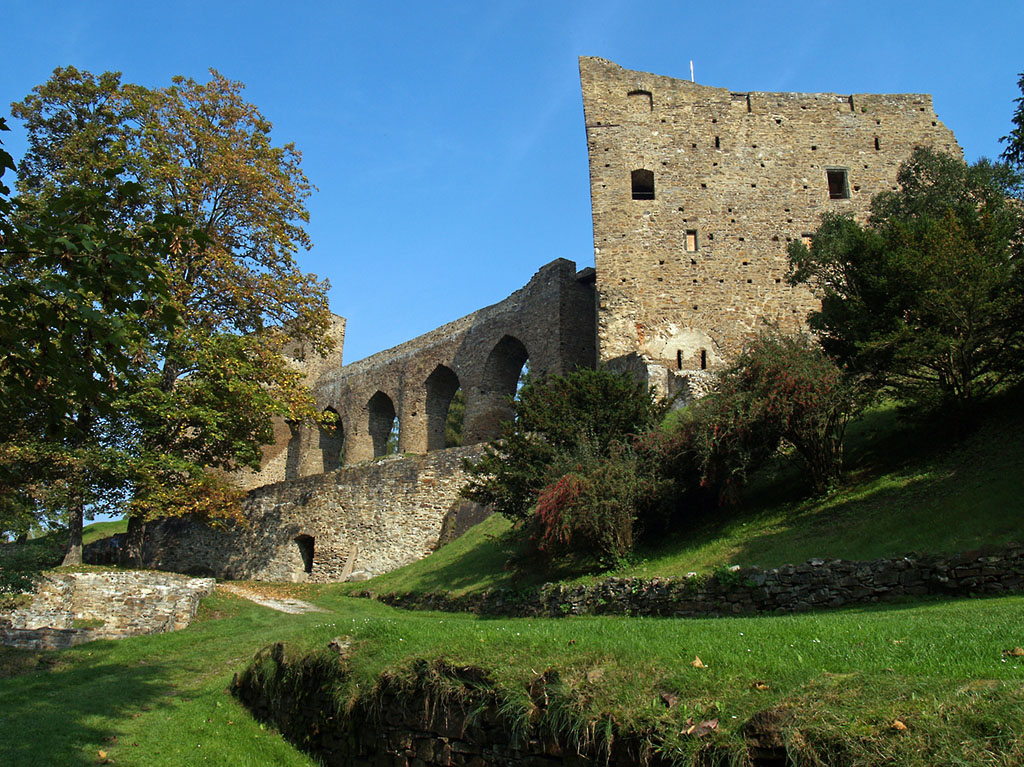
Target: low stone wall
{"points": [[360, 520], [115, 604], [816, 584]]}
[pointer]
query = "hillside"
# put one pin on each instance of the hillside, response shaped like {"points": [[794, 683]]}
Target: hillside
{"points": [[908, 488]]}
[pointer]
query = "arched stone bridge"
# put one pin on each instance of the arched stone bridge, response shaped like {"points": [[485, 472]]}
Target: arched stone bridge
{"points": [[550, 322]]}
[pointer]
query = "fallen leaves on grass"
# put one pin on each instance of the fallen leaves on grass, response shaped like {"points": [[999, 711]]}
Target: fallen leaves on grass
{"points": [[701, 729], [897, 724], [697, 662]]}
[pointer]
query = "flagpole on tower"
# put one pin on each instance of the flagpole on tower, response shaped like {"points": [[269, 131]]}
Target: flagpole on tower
{"points": [[691, 71]]}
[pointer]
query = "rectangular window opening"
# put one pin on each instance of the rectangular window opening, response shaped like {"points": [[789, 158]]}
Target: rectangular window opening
{"points": [[838, 184], [691, 240], [703, 359]]}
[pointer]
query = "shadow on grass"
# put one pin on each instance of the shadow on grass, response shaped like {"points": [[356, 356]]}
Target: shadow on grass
{"points": [[65, 716]]}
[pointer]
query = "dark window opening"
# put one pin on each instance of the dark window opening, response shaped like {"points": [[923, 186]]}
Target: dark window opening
{"points": [[643, 184], [305, 543], [718, 143], [679, 359], [703, 359], [838, 186], [878, 144]]}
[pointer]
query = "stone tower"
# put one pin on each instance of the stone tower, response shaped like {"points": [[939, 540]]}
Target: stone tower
{"points": [[697, 191]]}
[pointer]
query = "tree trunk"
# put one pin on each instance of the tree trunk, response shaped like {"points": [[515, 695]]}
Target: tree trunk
{"points": [[131, 554], [76, 520]]}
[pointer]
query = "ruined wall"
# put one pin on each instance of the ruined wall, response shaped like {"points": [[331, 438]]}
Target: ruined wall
{"points": [[368, 518], [114, 604], [275, 463], [550, 322], [724, 181]]}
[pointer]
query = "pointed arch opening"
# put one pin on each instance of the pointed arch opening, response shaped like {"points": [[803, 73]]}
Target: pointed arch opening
{"points": [[383, 424], [442, 387], [332, 441], [501, 379]]}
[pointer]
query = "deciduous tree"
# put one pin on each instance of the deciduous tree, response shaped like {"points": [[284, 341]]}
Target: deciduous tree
{"points": [[201, 154]]}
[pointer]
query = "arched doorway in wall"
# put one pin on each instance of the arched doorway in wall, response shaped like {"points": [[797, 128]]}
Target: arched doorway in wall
{"points": [[383, 424], [501, 378], [332, 441], [305, 544], [443, 425]]}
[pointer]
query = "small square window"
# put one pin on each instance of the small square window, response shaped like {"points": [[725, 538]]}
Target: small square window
{"points": [[838, 184], [691, 240]]}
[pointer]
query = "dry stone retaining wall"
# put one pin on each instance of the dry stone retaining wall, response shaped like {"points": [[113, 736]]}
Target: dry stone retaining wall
{"points": [[813, 585], [121, 604]]}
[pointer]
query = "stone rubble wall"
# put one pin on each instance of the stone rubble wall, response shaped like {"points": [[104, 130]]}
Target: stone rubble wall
{"points": [[122, 603], [361, 520], [816, 584]]}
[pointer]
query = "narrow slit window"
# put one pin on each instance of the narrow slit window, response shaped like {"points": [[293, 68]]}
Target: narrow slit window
{"points": [[703, 359], [643, 184], [838, 184], [691, 240], [679, 359]]}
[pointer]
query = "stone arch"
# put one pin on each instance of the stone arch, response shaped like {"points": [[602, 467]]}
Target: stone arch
{"points": [[441, 386], [332, 442], [381, 412], [488, 404]]}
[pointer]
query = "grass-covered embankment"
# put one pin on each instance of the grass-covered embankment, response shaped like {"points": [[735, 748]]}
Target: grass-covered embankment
{"points": [[843, 678]]}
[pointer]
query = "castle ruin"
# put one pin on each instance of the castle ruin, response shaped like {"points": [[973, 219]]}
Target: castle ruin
{"points": [[696, 192]]}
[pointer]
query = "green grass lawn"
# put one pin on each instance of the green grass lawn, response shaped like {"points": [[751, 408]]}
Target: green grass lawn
{"points": [[845, 675]]}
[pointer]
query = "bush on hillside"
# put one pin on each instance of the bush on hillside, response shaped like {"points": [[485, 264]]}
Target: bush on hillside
{"points": [[781, 388], [564, 471]]}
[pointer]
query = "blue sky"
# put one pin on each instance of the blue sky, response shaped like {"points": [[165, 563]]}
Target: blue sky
{"points": [[446, 138]]}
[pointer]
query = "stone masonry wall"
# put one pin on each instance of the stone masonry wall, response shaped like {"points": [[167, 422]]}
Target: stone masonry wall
{"points": [[815, 584], [550, 322], [123, 603], [366, 519], [687, 275]]}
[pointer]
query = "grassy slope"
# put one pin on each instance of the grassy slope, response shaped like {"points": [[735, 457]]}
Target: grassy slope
{"points": [[160, 700], [898, 498]]}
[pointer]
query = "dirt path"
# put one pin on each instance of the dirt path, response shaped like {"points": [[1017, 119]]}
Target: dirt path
{"points": [[293, 606]]}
